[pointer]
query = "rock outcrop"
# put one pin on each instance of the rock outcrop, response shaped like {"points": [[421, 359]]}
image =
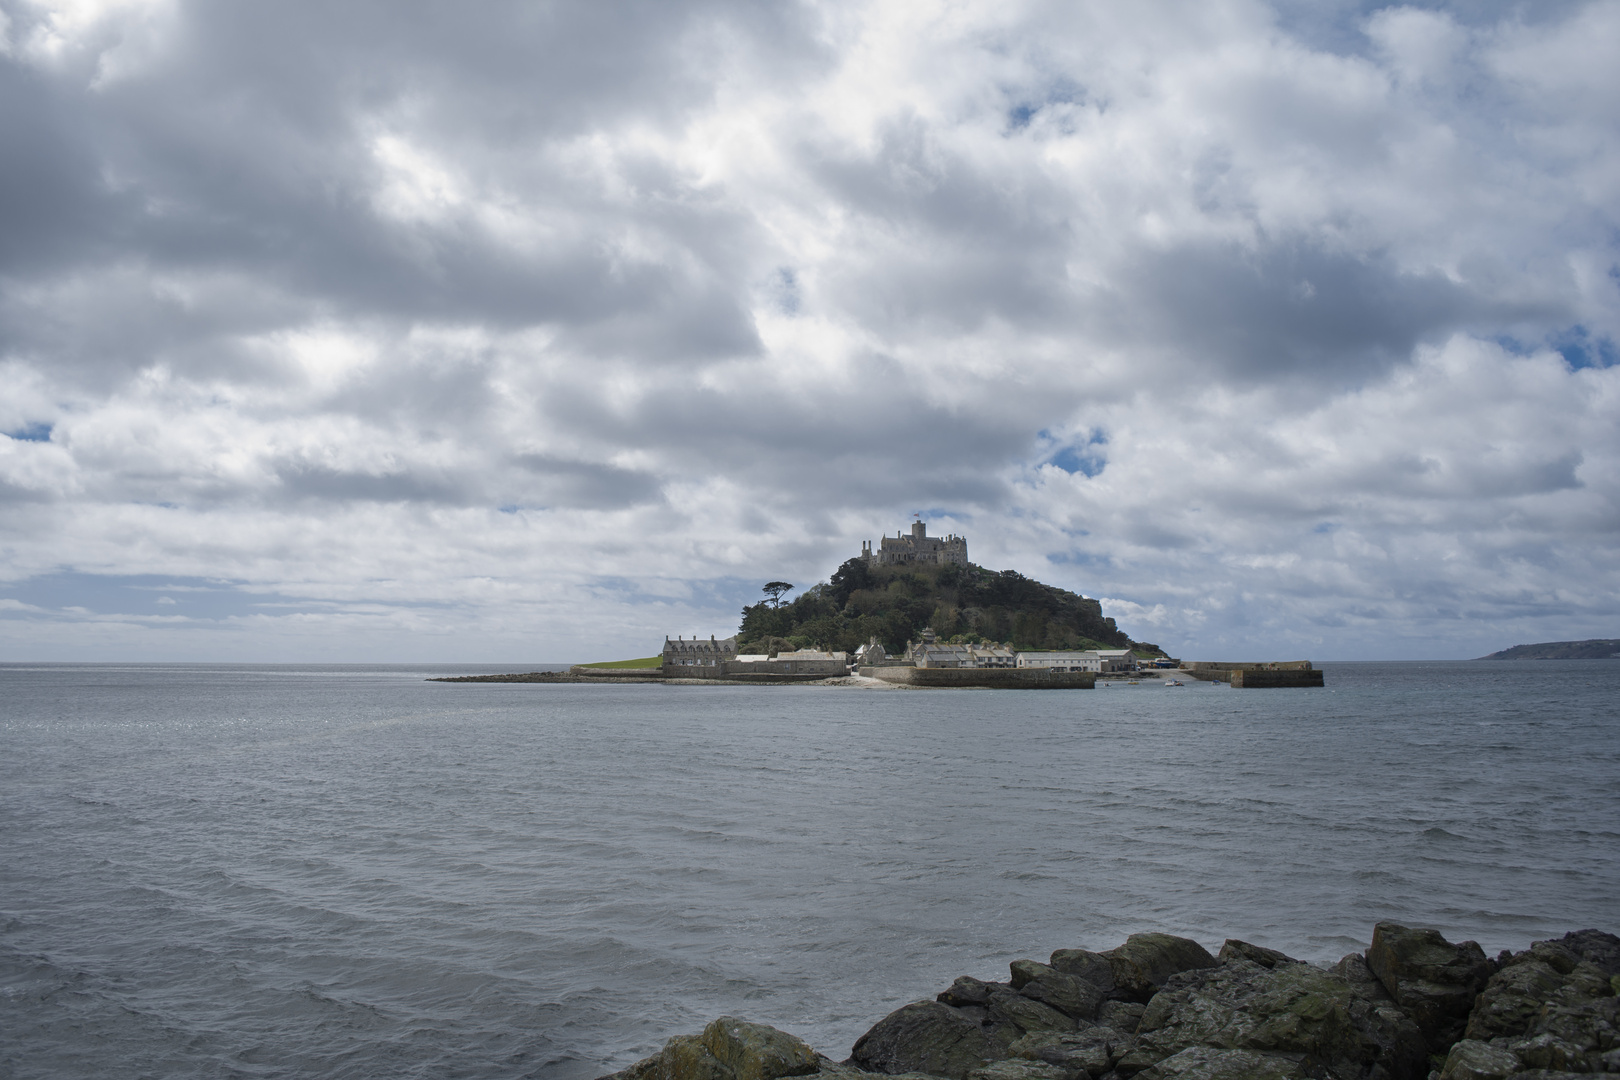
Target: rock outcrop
{"points": [[1413, 1007], [1432, 979]]}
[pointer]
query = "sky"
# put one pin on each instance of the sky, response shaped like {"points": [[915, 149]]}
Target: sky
{"points": [[534, 332]]}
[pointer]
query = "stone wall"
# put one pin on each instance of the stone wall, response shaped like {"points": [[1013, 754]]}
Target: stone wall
{"points": [[994, 678], [1254, 678]]}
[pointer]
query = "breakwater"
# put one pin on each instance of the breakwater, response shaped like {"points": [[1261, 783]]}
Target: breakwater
{"points": [[1158, 1007], [988, 678]]}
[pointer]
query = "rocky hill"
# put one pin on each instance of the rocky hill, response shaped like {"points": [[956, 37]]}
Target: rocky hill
{"points": [[962, 603], [1593, 649]]}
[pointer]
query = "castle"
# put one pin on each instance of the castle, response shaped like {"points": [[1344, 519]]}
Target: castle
{"points": [[919, 547]]}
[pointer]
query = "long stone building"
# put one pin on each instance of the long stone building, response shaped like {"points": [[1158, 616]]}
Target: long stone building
{"points": [[696, 657], [919, 547]]}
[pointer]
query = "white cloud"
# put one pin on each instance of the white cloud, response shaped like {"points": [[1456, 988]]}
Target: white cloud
{"points": [[548, 339]]}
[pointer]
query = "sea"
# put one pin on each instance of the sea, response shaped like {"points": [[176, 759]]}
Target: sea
{"points": [[349, 871]]}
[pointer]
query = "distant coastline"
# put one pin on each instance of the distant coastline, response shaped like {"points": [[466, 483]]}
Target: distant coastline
{"points": [[1591, 649]]}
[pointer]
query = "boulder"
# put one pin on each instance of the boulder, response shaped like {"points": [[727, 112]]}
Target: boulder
{"points": [[1007, 1008], [1514, 997], [1594, 946], [1141, 965], [1010, 1069], [1065, 993], [1572, 1035], [1471, 1059], [1290, 1009], [966, 991], [1353, 969], [1091, 967], [1552, 1007], [686, 1058], [1121, 1015], [1208, 1063], [1432, 979], [929, 1037], [1242, 950], [1094, 1050], [756, 1051]]}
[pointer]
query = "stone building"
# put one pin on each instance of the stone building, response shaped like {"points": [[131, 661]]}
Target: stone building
{"points": [[799, 662], [1071, 660], [918, 548], [929, 653], [698, 658]]}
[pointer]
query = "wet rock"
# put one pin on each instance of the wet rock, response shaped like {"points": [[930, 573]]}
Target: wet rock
{"points": [[1548, 1051], [1007, 1007], [1353, 969], [1145, 961], [1432, 979], [1597, 948], [1514, 997], [1553, 1006], [1121, 1015], [1025, 1070], [756, 1051], [686, 1058], [1291, 1009], [837, 1070], [1094, 1050], [728, 1049], [1242, 950], [1208, 1063], [1091, 967], [1471, 1059], [966, 991], [1066, 993], [929, 1037]]}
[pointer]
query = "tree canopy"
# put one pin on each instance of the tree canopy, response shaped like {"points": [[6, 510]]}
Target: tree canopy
{"points": [[960, 603]]}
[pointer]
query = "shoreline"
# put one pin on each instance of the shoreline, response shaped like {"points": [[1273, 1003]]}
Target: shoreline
{"points": [[1413, 1006]]}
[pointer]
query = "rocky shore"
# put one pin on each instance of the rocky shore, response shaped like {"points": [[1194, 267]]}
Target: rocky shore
{"points": [[1413, 1006]]}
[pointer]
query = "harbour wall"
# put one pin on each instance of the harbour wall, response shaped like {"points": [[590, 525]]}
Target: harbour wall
{"points": [[993, 678]]}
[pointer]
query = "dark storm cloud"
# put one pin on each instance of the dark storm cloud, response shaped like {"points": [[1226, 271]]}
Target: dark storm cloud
{"points": [[583, 484], [1292, 308]]}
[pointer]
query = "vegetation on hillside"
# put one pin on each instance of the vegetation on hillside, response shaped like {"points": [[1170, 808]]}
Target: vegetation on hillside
{"points": [[961, 603], [1591, 649]]}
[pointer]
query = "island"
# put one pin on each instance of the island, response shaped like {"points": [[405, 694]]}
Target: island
{"points": [[1591, 649], [913, 611]]}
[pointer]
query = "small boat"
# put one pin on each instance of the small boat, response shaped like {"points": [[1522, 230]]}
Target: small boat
{"points": [[1175, 682]]}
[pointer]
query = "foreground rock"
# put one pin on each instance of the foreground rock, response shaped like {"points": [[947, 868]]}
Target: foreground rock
{"points": [[1413, 1007], [1549, 1011]]}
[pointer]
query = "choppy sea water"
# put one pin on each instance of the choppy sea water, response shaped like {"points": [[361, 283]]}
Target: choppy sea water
{"points": [[276, 871]]}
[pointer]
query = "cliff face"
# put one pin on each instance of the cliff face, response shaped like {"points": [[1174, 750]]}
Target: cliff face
{"points": [[894, 604]]}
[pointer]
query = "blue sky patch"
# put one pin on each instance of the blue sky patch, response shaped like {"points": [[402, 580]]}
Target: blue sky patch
{"points": [[37, 432], [1581, 350], [1086, 458]]}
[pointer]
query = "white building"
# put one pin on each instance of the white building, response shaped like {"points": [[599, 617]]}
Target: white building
{"points": [[1061, 661], [961, 656]]}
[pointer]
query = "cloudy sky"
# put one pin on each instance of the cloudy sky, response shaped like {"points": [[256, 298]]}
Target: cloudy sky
{"points": [[535, 331]]}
